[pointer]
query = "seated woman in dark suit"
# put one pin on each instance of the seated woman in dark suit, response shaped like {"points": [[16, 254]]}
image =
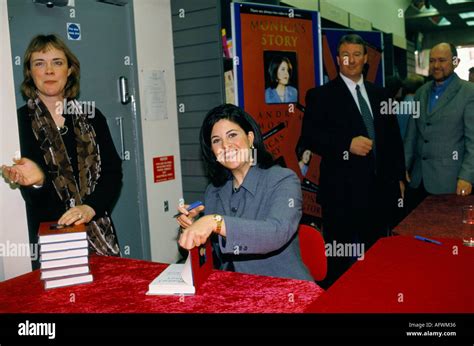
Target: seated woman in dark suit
{"points": [[280, 71], [69, 170], [252, 206]]}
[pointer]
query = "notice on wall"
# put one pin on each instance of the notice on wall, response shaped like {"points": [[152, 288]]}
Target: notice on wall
{"points": [[155, 95], [74, 31], [163, 168]]}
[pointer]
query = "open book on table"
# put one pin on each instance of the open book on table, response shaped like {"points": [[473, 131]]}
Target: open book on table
{"points": [[184, 278]]}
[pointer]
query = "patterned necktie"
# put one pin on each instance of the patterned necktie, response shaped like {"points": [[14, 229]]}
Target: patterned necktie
{"points": [[367, 117]]}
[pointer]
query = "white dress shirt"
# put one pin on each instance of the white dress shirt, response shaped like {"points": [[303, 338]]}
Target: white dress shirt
{"points": [[352, 88]]}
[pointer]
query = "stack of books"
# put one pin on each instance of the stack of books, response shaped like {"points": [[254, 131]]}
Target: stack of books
{"points": [[64, 255]]}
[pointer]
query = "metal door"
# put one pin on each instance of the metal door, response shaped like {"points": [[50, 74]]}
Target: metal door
{"points": [[101, 35]]}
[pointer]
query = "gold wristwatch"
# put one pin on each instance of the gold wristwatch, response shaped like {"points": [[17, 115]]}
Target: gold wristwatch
{"points": [[218, 219]]}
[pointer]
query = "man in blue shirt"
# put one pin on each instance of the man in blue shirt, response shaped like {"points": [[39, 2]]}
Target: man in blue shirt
{"points": [[439, 144]]}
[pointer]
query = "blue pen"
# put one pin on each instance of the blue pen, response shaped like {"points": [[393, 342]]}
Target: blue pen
{"points": [[191, 207], [427, 240]]}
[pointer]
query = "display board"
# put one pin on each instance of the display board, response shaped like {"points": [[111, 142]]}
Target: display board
{"points": [[277, 59]]}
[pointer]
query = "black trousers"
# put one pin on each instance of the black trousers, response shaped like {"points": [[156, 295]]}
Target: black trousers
{"points": [[357, 225], [349, 228], [414, 197]]}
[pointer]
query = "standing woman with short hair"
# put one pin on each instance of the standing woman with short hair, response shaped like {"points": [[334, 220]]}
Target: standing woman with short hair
{"points": [[69, 170]]}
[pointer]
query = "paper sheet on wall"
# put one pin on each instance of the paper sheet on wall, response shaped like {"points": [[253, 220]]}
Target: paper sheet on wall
{"points": [[155, 95]]}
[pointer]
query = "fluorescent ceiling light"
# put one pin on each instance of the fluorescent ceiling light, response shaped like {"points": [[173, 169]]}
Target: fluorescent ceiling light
{"points": [[466, 15], [470, 22], [444, 22], [432, 9], [454, 2]]}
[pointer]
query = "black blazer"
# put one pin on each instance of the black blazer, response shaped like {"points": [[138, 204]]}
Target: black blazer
{"points": [[331, 120], [44, 204]]}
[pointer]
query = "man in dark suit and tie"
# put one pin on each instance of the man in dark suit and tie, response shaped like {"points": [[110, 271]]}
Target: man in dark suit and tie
{"points": [[362, 163]]}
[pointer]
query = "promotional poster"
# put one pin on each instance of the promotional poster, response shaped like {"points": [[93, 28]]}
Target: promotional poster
{"points": [[277, 60]]}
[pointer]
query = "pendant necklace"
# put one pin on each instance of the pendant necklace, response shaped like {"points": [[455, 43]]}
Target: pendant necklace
{"points": [[63, 130]]}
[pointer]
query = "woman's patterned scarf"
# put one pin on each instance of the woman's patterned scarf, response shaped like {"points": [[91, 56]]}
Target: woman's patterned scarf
{"points": [[101, 232]]}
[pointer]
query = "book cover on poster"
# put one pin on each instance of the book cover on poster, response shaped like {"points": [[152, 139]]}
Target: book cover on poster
{"points": [[267, 38]]}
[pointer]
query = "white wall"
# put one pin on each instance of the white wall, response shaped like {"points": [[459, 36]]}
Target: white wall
{"points": [[466, 57], [383, 14], [154, 42], [13, 226]]}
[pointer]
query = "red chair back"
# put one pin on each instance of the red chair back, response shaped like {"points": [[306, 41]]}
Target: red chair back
{"points": [[313, 251]]}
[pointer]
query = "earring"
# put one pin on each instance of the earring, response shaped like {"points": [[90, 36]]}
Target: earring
{"points": [[251, 153]]}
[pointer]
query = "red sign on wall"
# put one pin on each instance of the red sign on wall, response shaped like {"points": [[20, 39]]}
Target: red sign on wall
{"points": [[163, 168]]}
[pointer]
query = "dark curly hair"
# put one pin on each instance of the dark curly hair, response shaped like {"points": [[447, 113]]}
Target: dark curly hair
{"points": [[217, 173]]}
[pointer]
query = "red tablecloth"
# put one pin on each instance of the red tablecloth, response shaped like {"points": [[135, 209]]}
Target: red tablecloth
{"points": [[437, 216], [402, 274], [120, 285]]}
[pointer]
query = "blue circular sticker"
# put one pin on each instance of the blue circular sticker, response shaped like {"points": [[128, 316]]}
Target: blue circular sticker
{"points": [[73, 31]]}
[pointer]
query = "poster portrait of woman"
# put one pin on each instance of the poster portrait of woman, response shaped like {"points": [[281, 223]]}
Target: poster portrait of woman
{"points": [[280, 79]]}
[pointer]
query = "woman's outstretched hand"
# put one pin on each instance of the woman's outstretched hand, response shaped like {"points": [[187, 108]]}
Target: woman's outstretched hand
{"points": [[24, 172]]}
